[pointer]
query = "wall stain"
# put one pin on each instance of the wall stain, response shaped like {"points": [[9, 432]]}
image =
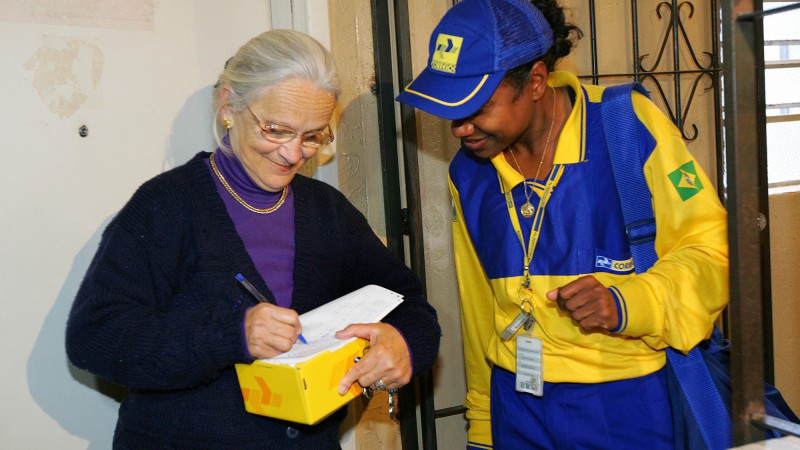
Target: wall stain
{"points": [[113, 14], [66, 73]]}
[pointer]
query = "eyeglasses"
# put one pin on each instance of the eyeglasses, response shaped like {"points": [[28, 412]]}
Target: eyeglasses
{"points": [[281, 134]]}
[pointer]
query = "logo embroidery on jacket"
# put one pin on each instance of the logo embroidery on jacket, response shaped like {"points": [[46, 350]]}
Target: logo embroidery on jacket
{"points": [[686, 181]]}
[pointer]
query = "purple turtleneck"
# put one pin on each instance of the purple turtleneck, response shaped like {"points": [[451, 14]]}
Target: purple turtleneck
{"points": [[268, 238]]}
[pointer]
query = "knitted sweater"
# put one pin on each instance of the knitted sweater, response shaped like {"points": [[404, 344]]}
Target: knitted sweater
{"points": [[160, 312]]}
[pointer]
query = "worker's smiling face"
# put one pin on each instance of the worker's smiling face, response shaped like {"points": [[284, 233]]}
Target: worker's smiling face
{"points": [[500, 122]]}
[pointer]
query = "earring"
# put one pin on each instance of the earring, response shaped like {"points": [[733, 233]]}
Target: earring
{"points": [[227, 123]]}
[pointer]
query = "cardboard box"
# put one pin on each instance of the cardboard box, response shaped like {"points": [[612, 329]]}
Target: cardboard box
{"points": [[306, 392]]}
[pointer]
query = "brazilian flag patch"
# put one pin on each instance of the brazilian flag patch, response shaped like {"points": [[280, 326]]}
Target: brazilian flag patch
{"points": [[686, 181]]}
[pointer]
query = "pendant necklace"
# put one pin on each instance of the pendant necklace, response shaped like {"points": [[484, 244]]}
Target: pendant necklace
{"points": [[527, 210]]}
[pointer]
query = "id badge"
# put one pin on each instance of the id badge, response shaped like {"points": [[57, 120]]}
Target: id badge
{"points": [[529, 365]]}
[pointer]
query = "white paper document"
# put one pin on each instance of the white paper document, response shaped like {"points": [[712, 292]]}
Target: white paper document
{"points": [[369, 304]]}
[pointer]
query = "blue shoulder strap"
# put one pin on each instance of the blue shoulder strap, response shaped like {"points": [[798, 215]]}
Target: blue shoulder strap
{"points": [[708, 422], [626, 163]]}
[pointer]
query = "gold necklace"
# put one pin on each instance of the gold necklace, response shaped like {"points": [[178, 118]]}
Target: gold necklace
{"points": [[241, 201], [527, 210]]}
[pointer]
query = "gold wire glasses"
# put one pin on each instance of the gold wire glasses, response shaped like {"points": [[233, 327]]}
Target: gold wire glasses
{"points": [[281, 134]]}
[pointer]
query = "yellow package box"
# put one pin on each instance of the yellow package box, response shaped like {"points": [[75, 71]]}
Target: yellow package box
{"points": [[305, 392]]}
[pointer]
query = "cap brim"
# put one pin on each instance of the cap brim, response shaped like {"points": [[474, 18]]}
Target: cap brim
{"points": [[450, 97]]}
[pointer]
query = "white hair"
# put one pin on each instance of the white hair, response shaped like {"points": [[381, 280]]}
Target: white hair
{"points": [[269, 59]]}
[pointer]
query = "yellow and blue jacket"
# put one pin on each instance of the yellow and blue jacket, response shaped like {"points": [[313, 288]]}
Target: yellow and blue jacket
{"points": [[582, 232]]}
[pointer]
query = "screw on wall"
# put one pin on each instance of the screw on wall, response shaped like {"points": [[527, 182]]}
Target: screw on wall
{"points": [[83, 131], [761, 221]]}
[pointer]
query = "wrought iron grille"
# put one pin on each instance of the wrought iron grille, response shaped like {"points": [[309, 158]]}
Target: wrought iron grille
{"points": [[675, 68]]}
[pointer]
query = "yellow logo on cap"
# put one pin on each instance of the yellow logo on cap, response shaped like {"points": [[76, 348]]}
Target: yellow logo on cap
{"points": [[445, 58]]}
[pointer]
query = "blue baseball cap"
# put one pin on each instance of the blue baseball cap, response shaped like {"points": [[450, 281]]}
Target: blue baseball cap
{"points": [[471, 49]]}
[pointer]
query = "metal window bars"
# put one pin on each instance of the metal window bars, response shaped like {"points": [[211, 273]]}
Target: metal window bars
{"points": [[747, 205]]}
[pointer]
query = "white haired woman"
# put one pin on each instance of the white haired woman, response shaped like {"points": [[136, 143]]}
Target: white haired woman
{"points": [[160, 311]]}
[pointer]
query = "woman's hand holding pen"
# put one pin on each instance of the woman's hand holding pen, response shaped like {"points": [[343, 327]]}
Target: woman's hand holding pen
{"points": [[387, 360], [270, 330]]}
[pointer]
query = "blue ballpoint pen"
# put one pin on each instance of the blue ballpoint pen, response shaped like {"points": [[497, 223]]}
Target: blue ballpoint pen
{"points": [[260, 297]]}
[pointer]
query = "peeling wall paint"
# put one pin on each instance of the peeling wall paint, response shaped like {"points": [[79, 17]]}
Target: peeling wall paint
{"points": [[66, 74], [145, 96]]}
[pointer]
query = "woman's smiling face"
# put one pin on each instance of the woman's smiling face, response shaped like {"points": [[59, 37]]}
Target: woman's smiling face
{"points": [[296, 104]]}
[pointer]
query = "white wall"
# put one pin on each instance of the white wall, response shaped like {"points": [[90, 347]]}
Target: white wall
{"points": [[138, 74]]}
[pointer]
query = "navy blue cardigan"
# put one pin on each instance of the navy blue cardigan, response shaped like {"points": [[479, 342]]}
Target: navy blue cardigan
{"points": [[159, 310]]}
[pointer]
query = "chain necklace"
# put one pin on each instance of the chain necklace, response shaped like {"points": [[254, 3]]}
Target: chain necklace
{"points": [[241, 201], [527, 210]]}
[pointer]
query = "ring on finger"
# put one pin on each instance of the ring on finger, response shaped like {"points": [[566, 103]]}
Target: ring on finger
{"points": [[380, 386]]}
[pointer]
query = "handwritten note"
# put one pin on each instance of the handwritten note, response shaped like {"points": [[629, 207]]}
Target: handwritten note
{"points": [[369, 304]]}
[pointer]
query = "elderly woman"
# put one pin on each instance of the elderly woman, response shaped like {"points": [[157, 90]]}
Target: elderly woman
{"points": [[160, 311]]}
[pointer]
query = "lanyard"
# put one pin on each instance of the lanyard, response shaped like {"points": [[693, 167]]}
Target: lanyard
{"points": [[536, 227]]}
